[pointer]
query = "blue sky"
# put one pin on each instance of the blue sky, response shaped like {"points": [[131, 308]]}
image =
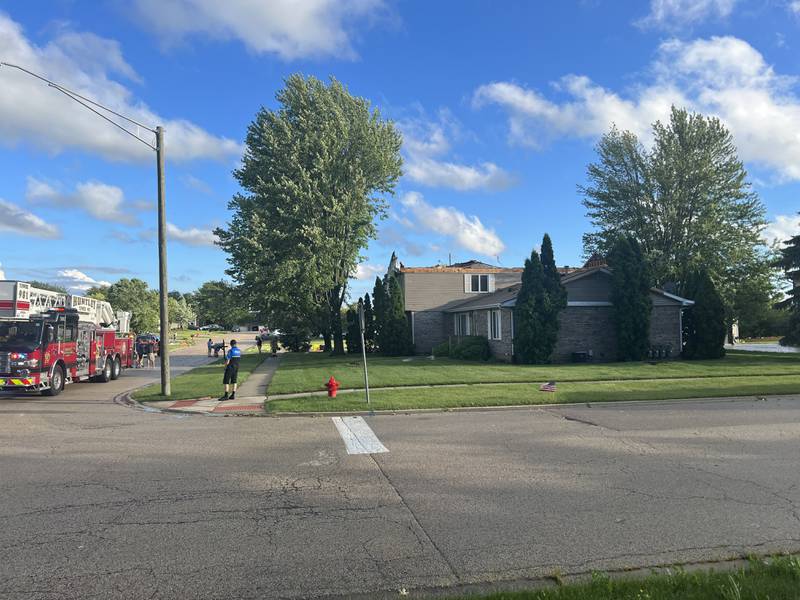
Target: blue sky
{"points": [[500, 104]]}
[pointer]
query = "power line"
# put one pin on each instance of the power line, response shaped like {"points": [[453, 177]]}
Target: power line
{"points": [[86, 102]]}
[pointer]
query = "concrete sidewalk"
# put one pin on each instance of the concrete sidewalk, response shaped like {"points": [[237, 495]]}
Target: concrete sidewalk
{"points": [[250, 396]]}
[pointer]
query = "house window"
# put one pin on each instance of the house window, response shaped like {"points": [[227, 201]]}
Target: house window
{"points": [[495, 331], [462, 324], [479, 283]]}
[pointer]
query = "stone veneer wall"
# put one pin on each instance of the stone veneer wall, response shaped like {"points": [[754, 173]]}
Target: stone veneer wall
{"points": [[665, 324], [584, 328], [430, 328]]}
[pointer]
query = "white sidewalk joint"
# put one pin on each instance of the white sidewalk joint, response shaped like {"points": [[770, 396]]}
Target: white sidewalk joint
{"points": [[357, 435]]}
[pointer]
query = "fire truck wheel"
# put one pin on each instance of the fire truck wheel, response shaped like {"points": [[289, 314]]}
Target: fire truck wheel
{"points": [[116, 368], [56, 382], [105, 374]]}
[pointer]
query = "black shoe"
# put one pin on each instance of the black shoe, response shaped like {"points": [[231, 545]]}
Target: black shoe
{"points": [[232, 396], [224, 397]]}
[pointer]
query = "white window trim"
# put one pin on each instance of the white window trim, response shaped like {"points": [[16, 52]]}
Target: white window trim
{"points": [[457, 324], [489, 283], [499, 324]]}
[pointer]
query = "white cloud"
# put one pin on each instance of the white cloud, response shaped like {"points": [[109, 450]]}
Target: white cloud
{"points": [[794, 7], [467, 231], [288, 28], [722, 76], [102, 201], [14, 219], [366, 271], [435, 173], [191, 236], [30, 111], [2, 272], [75, 280], [781, 229], [672, 14], [425, 142], [196, 184]]}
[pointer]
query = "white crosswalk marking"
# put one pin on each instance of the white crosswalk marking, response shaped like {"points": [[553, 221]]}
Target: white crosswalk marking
{"points": [[357, 435]]}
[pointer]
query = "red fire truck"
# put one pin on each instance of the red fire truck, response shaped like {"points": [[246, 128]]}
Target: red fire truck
{"points": [[49, 339]]}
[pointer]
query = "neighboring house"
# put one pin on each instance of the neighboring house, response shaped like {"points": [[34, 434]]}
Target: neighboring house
{"points": [[474, 298]]}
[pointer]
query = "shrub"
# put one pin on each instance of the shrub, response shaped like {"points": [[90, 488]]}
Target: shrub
{"points": [[472, 347], [442, 349], [296, 342]]}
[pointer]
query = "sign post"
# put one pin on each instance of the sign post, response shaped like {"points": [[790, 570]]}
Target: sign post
{"points": [[363, 345]]}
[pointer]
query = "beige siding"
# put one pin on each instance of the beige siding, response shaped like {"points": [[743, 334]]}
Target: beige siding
{"points": [[437, 291]]}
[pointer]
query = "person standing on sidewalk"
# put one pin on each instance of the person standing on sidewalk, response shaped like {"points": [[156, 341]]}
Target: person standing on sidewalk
{"points": [[231, 372], [258, 342], [273, 344], [210, 346]]}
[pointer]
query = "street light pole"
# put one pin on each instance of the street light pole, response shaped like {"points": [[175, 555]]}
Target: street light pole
{"points": [[96, 107], [162, 267]]}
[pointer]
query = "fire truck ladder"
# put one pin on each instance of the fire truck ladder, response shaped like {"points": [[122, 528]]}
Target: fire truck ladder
{"points": [[23, 300]]}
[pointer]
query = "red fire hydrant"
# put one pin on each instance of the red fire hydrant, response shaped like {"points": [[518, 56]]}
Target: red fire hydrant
{"points": [[332, 386]]}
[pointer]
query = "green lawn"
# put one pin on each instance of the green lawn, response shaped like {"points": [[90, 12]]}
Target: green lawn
{"points": [[522, 394], [309, 372], [205, 381], [773, 579]]}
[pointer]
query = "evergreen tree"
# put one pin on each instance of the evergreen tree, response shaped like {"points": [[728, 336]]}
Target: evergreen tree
{"points": [[555, 297], [380, 303], [704, 323], [630, 295], [789, 261], [529, 328], [353, 333], [395, 336], [686, 200], [369, 324]]}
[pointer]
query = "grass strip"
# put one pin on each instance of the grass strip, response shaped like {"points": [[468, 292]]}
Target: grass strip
{"points": [[200, 382], [774, 579], [509, 395], [309, 372]]}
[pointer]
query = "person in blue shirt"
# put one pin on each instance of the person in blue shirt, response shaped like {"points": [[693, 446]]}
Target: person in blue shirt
{"points": [[231, 371]]}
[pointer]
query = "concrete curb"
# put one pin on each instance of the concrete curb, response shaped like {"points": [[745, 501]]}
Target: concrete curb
{"points": [[125, 399], [520, 407], [736, 560]]}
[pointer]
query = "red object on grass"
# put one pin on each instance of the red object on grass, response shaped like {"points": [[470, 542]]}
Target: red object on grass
{"points": [[332, 386]]}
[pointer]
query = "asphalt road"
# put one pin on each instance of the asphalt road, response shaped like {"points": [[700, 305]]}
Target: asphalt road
{"points": [[98, 500]]}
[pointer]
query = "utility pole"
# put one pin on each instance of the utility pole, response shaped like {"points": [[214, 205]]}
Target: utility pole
{"points": [[96, 108], [166, 388]]}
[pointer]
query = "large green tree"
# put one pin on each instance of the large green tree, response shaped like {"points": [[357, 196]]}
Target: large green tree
{"points": [[134, 296], [529, 326], [369, 324], [395, 334], [314, 177], [630, 297], [789, 261], [380, 306], [704, 327], [686, 200], [221, 303]]}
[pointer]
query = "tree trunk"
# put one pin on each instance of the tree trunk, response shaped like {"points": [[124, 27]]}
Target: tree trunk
{"points": [[326, 340], [336, 330], [335, 299]]}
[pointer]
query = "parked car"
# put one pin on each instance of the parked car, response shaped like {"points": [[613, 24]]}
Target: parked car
{"points": [[212, 327]]}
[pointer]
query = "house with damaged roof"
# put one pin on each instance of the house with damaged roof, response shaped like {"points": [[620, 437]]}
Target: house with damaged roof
{"points": [[444, 302]]}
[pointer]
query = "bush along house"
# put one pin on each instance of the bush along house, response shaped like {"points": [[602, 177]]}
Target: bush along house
{"points": [[473, 298]]}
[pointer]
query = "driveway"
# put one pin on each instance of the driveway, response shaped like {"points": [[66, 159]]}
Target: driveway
{"points": [[102, 500]]}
